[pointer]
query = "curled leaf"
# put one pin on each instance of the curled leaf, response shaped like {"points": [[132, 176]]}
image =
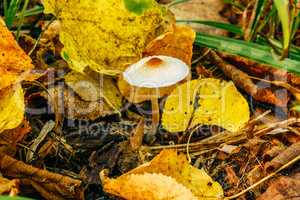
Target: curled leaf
{"points": [[168, 163], [90, 89], [65, 102], [12, 107], [176, 43], [104, 35], [10, 187], [208, 102]]}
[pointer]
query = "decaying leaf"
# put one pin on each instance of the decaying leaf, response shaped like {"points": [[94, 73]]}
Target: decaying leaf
{"points": [[10, 187], [283, 188], [105, 35], [205, 101], [66, 103], [90, 89], [12, 107], [177, 43], [13, 136], [167, 163], [15, 65]]}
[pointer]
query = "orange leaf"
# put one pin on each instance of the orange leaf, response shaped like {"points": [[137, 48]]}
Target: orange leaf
{"points": [[177, 43], [15, 64]]}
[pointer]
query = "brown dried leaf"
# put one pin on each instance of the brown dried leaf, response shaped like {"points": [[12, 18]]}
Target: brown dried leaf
{"points": [[66, 103], [95, 88], [12, 137], [10, 187], [283, 188]]}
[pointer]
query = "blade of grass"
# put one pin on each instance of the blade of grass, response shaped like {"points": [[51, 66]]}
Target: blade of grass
{"points": [[11, 12], [296, 19], [253, 51], [255, 18], [5, 7], [33, 11], [267, 19], [282, 7], [224, 26], [21, 20], [294, 50], [176, 2]]}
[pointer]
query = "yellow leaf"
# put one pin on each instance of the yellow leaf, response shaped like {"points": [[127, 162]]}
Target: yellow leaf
{"points": [[208, 102], [15, 65], [93, 89], [103, 34], [170, 164], [12, 107]]}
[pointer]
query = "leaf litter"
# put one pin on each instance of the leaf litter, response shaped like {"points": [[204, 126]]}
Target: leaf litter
{"points": [[222, 136]]}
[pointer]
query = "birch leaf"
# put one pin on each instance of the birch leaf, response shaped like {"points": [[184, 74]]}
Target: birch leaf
{"points": [[208, 102], [105, 35], [12, 107], [168, 163]]}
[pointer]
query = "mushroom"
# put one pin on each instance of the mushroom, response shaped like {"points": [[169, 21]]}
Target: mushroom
{"points": [[154, 75]]}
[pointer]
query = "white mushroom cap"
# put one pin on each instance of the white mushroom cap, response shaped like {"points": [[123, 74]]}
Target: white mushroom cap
{"points": [[156, 72]]}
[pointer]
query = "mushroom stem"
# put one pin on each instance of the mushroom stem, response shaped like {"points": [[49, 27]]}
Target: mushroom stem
{"points": [[155, 112]]}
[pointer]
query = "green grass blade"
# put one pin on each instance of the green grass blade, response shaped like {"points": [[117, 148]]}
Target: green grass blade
{"points": [[295, 19], [294, 52], [33, 11], [224, 26], [21, 20], [11, 12], [282, 7], [176, 2], [253, 51], [5, 7], [255, 18]]}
